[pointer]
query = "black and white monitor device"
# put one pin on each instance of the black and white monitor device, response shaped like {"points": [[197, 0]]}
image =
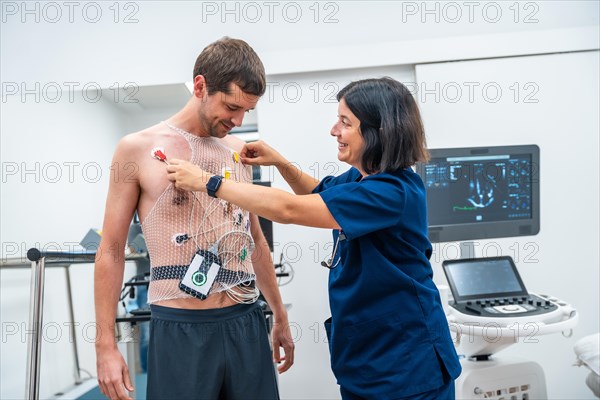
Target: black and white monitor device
{"points": [[482, 192], [491, 287]]}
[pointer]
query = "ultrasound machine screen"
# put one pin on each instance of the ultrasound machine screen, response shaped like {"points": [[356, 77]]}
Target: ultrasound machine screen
{"points": [[493, 277], [480, 193]]}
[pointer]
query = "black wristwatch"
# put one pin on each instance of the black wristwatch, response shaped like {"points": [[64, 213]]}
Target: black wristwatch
{"points": [[214, 183]]}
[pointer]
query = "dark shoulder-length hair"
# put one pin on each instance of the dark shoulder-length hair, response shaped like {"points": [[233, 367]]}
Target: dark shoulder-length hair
{"points": [[390, 124]]}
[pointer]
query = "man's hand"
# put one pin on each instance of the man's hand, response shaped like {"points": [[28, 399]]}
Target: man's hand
{"points": [[282, 338], [187, 176], [113, 375]]}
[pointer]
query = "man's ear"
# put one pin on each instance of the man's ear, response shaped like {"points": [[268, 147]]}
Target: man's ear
{"points": [[199, 86]]}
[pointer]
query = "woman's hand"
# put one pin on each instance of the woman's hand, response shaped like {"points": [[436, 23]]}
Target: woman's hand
{"points": [[260, 153], [187, 176]]}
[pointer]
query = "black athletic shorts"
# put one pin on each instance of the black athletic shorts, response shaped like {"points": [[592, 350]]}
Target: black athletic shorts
{"points": [[214, 354]]}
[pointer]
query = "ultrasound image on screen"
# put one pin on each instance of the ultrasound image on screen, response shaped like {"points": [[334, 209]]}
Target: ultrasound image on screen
{"points": [[479, 189], [485, 278]]}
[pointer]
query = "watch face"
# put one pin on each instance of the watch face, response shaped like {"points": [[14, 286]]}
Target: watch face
{"points": [[213, 185]]}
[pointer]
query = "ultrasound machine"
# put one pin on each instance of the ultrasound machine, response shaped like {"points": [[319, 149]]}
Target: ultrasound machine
{"points": [[485, 193]]}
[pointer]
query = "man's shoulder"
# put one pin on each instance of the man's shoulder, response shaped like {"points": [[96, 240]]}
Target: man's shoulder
{"points": [[144, 136], [147, 134], [233, 142], [136, 145]]}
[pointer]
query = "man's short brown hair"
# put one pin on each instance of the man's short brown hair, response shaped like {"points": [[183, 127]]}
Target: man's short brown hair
{"points": [[229, 61]]}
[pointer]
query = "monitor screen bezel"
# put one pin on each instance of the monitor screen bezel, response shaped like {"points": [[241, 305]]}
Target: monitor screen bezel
{"points": [[458, 298], [491, 229]]}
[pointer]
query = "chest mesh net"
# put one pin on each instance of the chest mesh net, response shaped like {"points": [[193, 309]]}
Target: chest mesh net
{"points": [[182, 223]]}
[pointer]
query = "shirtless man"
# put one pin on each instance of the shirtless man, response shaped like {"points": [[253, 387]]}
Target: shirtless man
{"points": [[211, 348]]}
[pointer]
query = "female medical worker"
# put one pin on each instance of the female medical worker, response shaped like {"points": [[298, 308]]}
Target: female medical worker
{"points": [[388, 335]]}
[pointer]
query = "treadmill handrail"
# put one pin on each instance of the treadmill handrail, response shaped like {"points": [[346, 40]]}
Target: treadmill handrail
{"points": [[38, 260]]}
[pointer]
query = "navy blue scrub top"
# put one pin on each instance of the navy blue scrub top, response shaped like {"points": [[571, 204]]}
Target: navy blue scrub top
{"points": [[388, 335]]}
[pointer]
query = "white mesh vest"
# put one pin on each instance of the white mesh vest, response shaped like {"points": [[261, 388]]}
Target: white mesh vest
{"points": [[180, 223]]}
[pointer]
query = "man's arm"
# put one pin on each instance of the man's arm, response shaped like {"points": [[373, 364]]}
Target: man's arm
{"points": [[123, 193], [267, 283]]}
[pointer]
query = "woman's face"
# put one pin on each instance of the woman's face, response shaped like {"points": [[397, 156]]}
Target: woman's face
{"points": [[347, 132]]}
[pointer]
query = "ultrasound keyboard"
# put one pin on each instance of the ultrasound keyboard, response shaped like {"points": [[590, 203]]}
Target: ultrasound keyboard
{"points": [[506, 306]]}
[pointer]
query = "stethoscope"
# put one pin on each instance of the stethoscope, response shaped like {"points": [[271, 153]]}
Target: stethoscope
{"points": [[329, 262]]}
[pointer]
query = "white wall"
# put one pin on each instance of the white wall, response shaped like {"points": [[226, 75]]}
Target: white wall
{"points": [[67, 147], [149, 43], [557, 109]]}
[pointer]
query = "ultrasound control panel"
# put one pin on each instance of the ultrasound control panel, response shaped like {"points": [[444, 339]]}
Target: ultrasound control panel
{"points": [[506, 306], [492, 287]]}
